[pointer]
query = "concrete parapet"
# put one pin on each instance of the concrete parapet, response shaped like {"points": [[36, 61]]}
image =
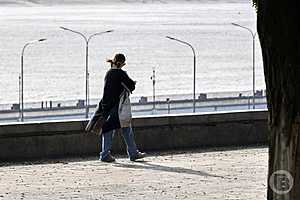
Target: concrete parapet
{"points": [[67, 138]]}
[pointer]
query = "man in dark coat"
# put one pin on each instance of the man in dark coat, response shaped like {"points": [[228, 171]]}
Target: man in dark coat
{"points": [[116, 80]]}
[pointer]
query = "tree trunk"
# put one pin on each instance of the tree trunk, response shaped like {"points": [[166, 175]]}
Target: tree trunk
{"points": [[278, 25]]}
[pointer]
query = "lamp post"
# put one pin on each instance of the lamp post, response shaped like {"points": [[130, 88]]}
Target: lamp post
{"points": [[194, 83], [87, 40], [253, 60], [21, 78], [153, 84]]}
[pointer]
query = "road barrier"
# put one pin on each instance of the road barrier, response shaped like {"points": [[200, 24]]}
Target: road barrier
{"points": [[166, 132]]}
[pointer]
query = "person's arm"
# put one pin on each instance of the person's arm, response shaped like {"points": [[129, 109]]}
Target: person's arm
{"points": [[107, 101], [127, 81]]}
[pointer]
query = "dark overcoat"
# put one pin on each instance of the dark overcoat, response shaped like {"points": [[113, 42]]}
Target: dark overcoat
{"points": [[113, 87]]}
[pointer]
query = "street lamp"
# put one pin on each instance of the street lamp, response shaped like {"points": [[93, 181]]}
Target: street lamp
{"points": [[253, 59], [153, 84], [194, 89], [87, 40], [21, 78]]}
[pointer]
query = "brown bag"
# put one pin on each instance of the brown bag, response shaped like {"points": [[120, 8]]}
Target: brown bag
{"points": [[96, 122]]}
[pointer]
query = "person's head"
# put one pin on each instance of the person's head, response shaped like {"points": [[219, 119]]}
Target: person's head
{"points": [[118, 61]]}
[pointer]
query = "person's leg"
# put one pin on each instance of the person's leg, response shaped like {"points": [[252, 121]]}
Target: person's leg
{"points": [[106, 144], [128, 136]]}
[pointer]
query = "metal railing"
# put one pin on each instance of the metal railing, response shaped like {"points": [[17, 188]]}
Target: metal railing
{"points": [[164, 104]]}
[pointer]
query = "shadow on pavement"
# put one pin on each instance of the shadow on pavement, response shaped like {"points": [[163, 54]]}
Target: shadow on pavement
{"points": [[151, 166]]}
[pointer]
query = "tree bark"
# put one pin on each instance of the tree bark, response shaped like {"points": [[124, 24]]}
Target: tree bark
{"points": [[278, 25]]}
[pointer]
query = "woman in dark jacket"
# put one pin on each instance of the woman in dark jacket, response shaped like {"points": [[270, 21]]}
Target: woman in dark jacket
{"points": [[116, 81]]}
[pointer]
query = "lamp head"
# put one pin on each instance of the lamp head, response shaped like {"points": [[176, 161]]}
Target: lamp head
{"points": [[63, 28], [41, 40], [235, 24], [171, 38]]}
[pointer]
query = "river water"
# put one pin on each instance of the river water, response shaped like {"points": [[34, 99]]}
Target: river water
{"points": [[55, 69]]}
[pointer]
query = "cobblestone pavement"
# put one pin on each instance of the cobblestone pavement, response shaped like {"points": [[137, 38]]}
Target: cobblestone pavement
{"points": [[197, 174]]}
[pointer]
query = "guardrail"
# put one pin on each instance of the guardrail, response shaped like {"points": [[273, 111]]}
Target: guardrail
{"points": [[138, 109]]}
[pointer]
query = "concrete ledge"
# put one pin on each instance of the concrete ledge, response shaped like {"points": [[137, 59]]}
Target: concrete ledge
{"points": [[67, 138]]}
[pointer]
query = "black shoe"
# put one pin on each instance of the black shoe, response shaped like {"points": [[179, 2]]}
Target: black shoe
{"points": [[139, 155], [109, 158]]}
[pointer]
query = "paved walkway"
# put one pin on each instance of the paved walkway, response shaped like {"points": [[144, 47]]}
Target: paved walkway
{"points": [[198, 174]]}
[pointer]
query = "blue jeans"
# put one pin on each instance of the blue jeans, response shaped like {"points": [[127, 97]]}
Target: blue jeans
{"points": [[127, 134]]}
